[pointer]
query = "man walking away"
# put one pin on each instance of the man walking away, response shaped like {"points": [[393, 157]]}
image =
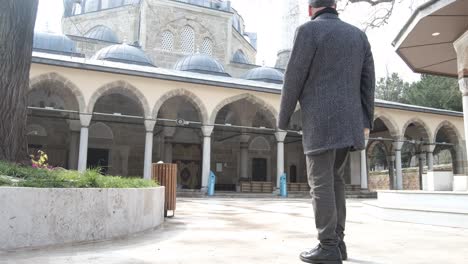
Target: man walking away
{"points": [[331, 74]]}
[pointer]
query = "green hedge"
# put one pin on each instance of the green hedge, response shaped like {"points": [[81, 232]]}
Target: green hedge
{"points": [[24, 176]]}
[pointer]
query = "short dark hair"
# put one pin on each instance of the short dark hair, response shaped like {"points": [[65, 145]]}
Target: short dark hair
{"points": [[322, 3]]}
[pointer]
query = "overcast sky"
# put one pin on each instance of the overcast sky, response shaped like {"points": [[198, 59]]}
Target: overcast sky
{"points": [[265, 18]]}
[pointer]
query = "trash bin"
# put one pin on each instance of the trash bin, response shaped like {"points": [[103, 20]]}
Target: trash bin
{"points": [[166, 175]]}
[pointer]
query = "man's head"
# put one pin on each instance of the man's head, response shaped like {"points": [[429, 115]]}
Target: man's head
{"points": [[317, 5]]}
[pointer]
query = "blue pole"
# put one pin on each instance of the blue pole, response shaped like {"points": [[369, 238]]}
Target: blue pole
{"points": [[283, 186], [211, 184]]}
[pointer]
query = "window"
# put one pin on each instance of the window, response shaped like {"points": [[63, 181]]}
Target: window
{"points": [[188, 40], [207, 46], [167, 41]]}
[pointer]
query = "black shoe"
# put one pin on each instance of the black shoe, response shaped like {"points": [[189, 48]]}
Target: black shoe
{"points": [[343, 250], [320, 255]]}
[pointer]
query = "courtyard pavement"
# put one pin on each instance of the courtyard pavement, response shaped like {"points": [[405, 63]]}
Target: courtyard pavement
{"points": [[251, 231]]}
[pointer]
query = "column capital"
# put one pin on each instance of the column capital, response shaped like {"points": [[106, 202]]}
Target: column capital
{"points": [[244, 138], [429, 147], [463, 83], [207, 130], [280, 135], [461, 47], [149, 125], [85, 119], [397, 145]]}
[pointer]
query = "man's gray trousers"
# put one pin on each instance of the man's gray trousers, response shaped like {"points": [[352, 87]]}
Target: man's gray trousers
{"points": [[326, 178]]}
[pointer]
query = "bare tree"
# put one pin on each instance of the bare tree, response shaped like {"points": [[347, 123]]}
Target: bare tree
{"points": [[381, 12], [17, 20]]}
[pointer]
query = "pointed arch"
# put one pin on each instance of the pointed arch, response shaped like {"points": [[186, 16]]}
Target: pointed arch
{"points": [[453, 131], [191, 97], [37, 81], [389, 123], [422, 128], [271, 111], [123, 88]]}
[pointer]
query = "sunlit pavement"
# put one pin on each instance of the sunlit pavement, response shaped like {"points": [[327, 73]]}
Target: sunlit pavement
{"points": [[260, 231]]}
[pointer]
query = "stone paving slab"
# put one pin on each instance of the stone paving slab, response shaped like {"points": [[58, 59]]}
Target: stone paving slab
{"points": [[259, 231]]}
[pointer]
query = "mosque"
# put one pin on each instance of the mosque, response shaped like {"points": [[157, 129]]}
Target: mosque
{"points": [[132, 82]]}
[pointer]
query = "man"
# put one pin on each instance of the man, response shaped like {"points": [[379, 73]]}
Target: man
{"points": [[331, 74]]}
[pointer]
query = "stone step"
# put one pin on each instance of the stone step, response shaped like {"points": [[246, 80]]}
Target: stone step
{"points": [[303, 195]]}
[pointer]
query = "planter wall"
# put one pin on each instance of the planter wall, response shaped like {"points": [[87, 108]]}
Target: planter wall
{"points": [[36, 217]]}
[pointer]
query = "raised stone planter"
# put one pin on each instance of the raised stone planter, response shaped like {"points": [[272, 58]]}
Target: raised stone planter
{"points": [[423, 207], [460, 183], [438, 181], [38, 217]]}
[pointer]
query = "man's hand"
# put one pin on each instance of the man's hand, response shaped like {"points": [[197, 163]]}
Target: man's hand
{"points": [[366, 132]]}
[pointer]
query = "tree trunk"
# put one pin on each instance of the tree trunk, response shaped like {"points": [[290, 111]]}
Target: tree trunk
{"points": [[17, 20]]}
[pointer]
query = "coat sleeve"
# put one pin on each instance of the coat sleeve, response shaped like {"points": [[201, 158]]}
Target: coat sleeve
{"points": [[368, 87], [296, 75]]}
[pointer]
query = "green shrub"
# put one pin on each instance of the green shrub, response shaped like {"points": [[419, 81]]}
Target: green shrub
{"points": [[61, 178]]}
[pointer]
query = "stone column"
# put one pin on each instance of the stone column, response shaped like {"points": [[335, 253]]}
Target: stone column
{"points": [[244, 157], [421, 169], [75, 127], [364, 183], [391, 172], [168, 136], [149, 126], [206, 167], [85, 120], [430, 157], [397, 145], [280, 136], [461, 47]]}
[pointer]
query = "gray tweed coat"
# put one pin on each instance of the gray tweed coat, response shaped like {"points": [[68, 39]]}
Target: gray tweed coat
{"points": [[331, 74]]}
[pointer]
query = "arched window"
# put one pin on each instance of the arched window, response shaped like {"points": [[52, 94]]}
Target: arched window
{"points": [[167, 41], [188, 40], [207, 46]]}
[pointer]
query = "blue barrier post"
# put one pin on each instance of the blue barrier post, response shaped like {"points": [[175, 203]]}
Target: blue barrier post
{"points": [[283, 186], [211, 184]]}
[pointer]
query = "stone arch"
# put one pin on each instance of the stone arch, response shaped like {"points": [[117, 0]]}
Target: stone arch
{"points": [[422, 128], [371, 146], [194, 99], [271, 111], [259, 143], [123, 88], [390, 124], [451, 129], [457, 150], [35, 82]]}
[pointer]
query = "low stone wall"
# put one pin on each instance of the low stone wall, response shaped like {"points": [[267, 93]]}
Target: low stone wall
{"points": [[381, 180], [38, 217]]}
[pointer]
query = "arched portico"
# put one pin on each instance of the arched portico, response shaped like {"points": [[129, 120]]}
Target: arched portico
{"points": [[48, 97], [181, 144]]}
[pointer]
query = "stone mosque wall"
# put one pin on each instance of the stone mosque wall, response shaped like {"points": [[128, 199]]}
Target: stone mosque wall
{"points": [[124, 21]]}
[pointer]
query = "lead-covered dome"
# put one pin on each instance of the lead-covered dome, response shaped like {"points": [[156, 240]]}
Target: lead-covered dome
{"points": [[265, 74], [123, 53], [200, 63], [102, 33], [54, 43], [239, 57]]}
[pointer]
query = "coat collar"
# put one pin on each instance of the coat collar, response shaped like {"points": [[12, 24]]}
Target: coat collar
{"points": [[327, 16]]}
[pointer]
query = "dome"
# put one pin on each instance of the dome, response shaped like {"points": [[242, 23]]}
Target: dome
{"points": [[102, 33], [55, 43], [239, 57], [265, 74], [123, 53], [200, 63]]}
